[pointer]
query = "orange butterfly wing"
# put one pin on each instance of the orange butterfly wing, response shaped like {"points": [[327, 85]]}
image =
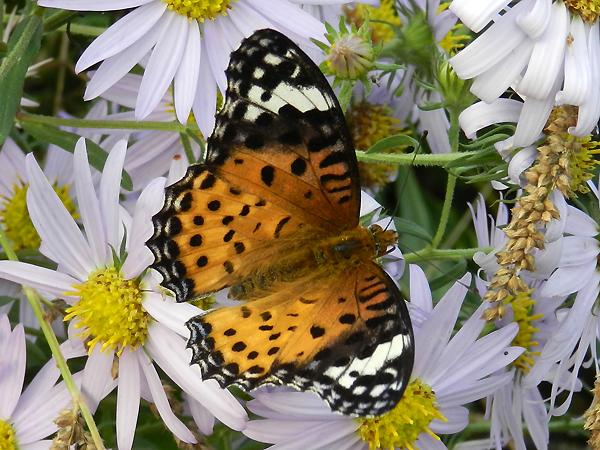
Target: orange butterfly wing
{"points": [[341, 338], [281, 174]]}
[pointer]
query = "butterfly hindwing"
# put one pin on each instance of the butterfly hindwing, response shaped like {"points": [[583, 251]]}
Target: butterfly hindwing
{"points": [[349, 340], [282, 133]]}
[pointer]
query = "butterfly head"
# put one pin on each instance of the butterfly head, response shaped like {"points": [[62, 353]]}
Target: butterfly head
{"points": [[383, 239]]}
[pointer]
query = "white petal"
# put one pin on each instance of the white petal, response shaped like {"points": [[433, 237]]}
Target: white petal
{"points": [[547, 56], [128, 399], [161, 402], [535, 21], [89, 206], [457, 419], [138, 255], [567, 280], [290, 17], [170, 314], [12, 370], [420, 294], [433, 336], [436, 124], [576, 87], [97, 376], [169, 352], [532, 120], [579, 223], [110, 188], [115, 67], [163, 64], [186, 78], [121, 34], [520, 163], [481, 115], [217, 50], [92, 5], [54, 224], [589, 111], [536, 418], [51, 281], [493, 82], [492, 46], [205, 102], [202, 416], [476, 14]]}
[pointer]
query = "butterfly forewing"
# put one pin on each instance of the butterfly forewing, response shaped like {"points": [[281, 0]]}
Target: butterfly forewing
{"points": [[347, 339], [283, 135]]}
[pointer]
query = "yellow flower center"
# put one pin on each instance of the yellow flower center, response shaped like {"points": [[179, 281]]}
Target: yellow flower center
{"points": [[589, 10], [523, 314], [455, 39], [380, 19], [582, 163], [199, 9], [109, 311], [401, 427], [14, 216], [8, 440]]}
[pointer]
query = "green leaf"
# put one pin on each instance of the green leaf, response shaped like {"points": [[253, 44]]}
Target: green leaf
{"points": [[394, 141], [23, 47], [405, 226], [450, 275], [64, 139]]}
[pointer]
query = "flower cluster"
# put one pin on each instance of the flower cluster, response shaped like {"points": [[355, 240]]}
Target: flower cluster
{"points": [[454, 109]]}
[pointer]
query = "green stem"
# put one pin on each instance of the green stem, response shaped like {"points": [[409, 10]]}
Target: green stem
{"points": [[429, 253], [453, 133], [36, 306], [174, 126], [410, 159], [187, 147], [57, 19], [446, 209]]}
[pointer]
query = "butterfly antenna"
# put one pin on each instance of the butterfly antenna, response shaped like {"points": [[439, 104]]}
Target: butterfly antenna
{"points": [[405, 180]]}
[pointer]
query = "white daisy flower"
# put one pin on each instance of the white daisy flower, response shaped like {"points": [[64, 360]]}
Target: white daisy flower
{"points": [[188, 42], [449, 372], [152, 152], [14, 183], [548, 51], [102, 275], [26, 416]]}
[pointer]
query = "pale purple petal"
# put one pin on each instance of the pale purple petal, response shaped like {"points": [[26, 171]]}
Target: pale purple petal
{"points": [[12, 369], [48, 280], [170, 353], [139, 256], [109, 191], [97, 376], [202, 416], [54, 224], [170, 314], [458, 419], [92, 5], [89, 206], [128, 398], [216, 49], [186, 78], [576, 88], [161, 402], [587, 117], [481, 115]]}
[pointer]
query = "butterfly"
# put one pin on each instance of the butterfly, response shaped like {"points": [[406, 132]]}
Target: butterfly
{"points": [[273, 215]]}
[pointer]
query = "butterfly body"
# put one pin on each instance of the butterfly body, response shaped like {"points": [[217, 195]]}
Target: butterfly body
{"points": [[273, 215]]}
